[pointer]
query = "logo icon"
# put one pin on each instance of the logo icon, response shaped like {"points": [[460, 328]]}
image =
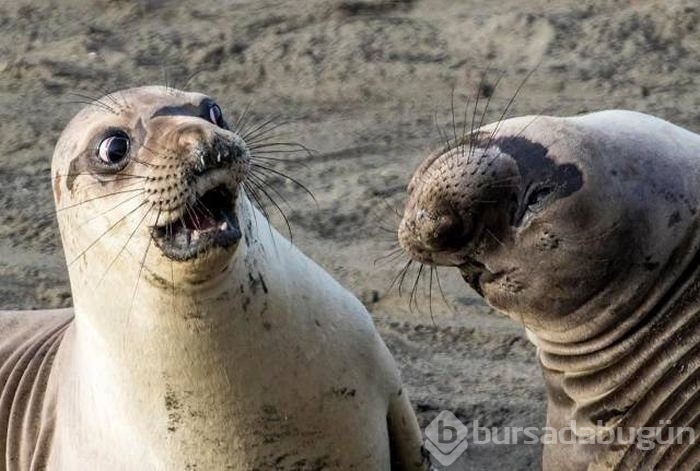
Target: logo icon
{"points": [[446, 438]]}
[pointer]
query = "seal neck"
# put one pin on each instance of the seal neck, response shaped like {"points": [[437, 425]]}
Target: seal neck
{"points": [[135, 366], [635, 369]]}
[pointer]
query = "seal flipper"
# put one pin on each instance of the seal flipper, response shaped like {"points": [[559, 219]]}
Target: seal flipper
{"points": [[405, 440]]}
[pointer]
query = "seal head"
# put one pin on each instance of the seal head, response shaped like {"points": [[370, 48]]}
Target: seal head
{"points": [[585, 230], [542, 218], [169, 170]]}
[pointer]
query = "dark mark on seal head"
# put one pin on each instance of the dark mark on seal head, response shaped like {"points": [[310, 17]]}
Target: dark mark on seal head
{"points": [[534, 165]]}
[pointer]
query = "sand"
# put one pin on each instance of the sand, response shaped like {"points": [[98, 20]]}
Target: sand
{"points": [[370, 86]]}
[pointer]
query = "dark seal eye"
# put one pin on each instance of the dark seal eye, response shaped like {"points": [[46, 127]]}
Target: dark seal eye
{"points": [[215, 114], [538, 195], [113, 149]]}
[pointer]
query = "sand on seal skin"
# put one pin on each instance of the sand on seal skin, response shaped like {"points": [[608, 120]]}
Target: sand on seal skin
{"points": [[361, 81]]}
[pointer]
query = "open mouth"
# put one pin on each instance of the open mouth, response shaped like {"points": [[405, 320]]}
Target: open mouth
{"points": [[210, 222]]}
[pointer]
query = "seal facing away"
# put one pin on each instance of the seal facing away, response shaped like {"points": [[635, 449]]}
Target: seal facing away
{"points": [[586, 230], [199, 338]]}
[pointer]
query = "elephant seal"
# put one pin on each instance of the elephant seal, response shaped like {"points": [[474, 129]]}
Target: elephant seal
{"points": [[200, 338], [586, 230]]}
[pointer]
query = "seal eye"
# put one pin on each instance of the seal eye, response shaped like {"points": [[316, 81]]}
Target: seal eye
{"points": [[537, 196], [215, 114], [113, 149]]}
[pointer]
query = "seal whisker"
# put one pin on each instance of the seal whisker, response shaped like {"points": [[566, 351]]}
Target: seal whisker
{"points": [[112, 98], [443, 137], [240, 121], [256, 198], [389, 257], [398, 274], [261, 207], [74, 205], [413, 297], [99, 282], [116, 179], [509, 104], [92, 101], [463, 139], [263, 147], [79, 174], [489, 97], [193, 215], [266, 135], [141, 266], [387, 229], [189, 79], [250, 130], [275, 159], [403, 273], [257, 177], [93, 243], [260, 184], [145, 164], [474, 111], [442, 292], [110, 209], [263, 168], [524, 128], [266, 126], [430, 296], [452, 110], [88, 103], [198, 202]]}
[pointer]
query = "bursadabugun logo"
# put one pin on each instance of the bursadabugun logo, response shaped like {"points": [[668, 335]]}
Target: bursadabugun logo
{"points": [[446, 437]]}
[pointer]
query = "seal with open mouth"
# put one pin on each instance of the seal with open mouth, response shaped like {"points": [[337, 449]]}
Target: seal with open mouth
{"points": [[586, 230], [199, 338]]}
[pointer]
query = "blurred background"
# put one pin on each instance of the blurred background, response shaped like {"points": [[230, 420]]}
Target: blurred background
{"points": [[372, 86]]}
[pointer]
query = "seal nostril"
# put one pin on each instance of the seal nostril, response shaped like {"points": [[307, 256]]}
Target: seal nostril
{"points": [[450, 233], [441, 232]]}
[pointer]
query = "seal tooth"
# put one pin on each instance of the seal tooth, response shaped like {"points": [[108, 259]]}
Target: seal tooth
{"points": [[223, 226], [195, 236]]}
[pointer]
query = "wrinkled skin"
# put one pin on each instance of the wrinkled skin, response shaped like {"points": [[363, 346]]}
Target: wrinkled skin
{"points": [[584, 230]]}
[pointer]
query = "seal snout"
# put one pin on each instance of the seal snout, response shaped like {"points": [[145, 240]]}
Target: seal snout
{"points": [[197, 188], [431, 236], [219, 153]]}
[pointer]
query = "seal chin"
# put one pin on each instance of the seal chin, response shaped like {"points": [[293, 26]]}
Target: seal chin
{"points": [[209, 224]]}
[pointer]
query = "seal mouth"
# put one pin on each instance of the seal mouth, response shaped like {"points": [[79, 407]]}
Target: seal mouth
{"points": [[209, 223], [476, 274]]}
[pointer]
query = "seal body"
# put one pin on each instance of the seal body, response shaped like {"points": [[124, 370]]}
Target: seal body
{"points": [[200, 338], [586, 230]]}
